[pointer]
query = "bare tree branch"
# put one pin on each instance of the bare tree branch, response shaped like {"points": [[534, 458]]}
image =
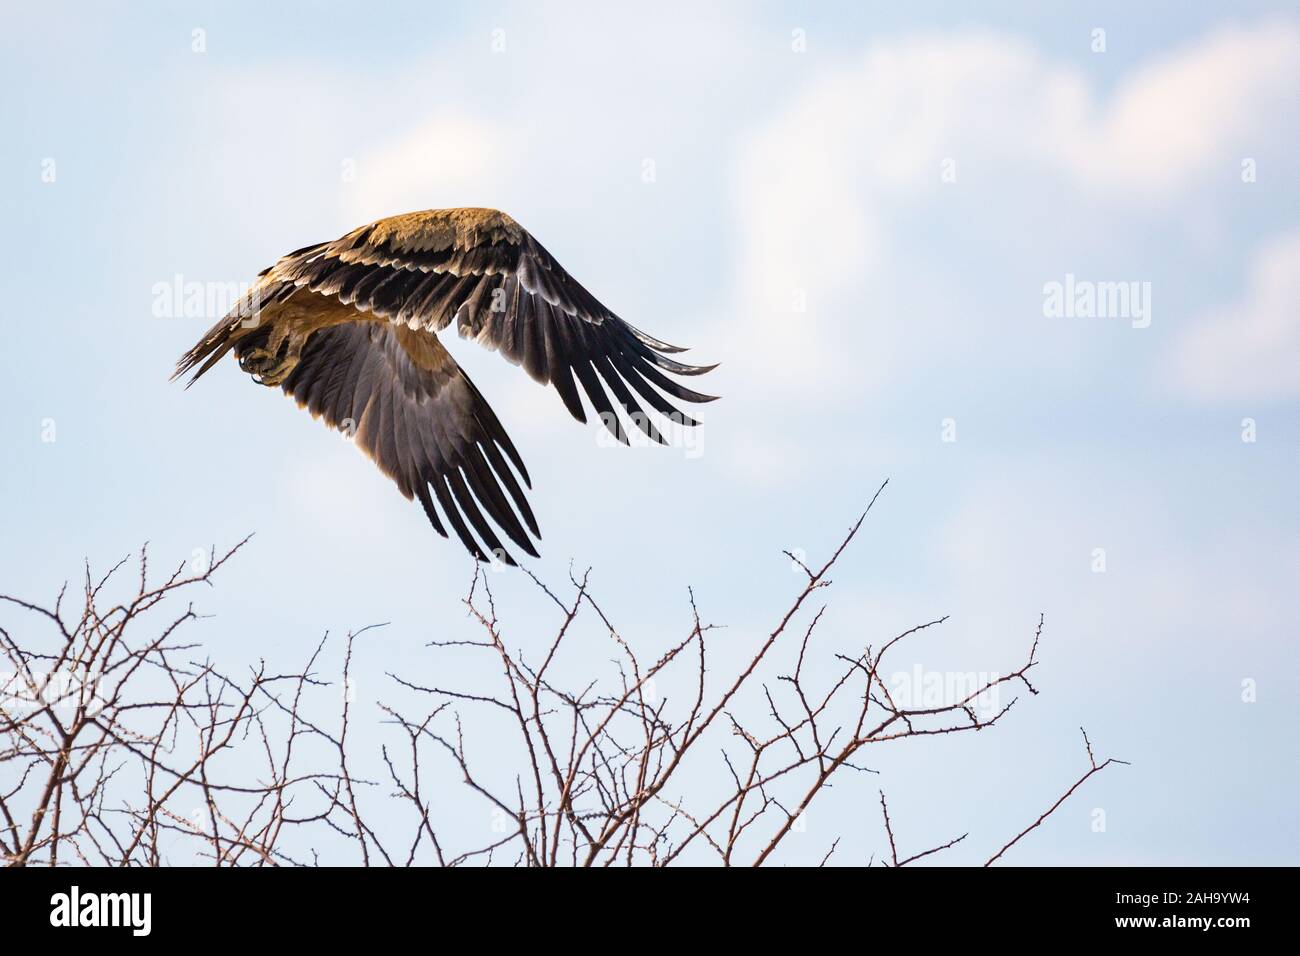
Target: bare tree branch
{"points": [[120, 745]]}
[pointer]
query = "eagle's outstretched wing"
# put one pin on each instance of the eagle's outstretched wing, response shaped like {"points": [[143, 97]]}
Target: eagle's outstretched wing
{"points": [[413, 410], [349, 329], [482, 269]]}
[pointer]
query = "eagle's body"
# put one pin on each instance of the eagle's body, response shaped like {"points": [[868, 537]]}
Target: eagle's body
{"points": [[349, 329]]}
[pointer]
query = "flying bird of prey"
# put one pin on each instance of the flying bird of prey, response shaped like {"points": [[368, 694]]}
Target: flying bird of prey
{"points": [[349, 329]]}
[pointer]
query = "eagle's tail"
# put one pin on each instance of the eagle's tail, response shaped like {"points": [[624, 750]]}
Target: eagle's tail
{"points": [[218, 340]]}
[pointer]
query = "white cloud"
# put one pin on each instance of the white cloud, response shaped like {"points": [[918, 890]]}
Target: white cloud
{"points": [[447, 161], [1250, 349], [819, 189], [1203, 107]]}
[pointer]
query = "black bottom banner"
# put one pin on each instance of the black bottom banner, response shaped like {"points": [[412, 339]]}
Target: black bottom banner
{"points": [[925, 905]]}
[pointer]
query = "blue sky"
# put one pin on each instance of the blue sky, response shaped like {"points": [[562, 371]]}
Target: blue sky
{"points": [[860, 231]]}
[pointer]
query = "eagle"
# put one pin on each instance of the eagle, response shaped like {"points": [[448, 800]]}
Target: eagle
{"points": [[349, 330]]}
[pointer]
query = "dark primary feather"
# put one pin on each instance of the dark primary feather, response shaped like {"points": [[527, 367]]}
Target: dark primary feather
{"points": [[429, 429], [507, 292], [409, 405]]}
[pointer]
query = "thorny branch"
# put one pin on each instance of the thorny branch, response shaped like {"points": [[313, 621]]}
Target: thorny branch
{"points": [[122, 750]]}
